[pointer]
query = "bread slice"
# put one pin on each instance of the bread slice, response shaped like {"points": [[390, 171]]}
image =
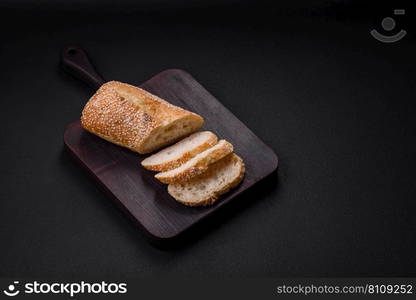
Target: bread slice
{"points": [[131, 117], [196, 165], [205, 189], [179, 153]]}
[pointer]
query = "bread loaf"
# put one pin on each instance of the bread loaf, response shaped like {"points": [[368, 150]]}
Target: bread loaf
{"points": [[136, 119]]}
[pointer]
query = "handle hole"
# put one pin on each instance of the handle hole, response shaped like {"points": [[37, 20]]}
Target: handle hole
{"points": [[72, 51]]}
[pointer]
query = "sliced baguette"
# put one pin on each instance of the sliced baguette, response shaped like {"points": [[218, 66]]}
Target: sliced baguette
{"points": [[205, 189], [196, 165], [179, 153]]}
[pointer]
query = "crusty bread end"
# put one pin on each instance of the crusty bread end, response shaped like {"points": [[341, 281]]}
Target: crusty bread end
{"points": [[136, 119]]}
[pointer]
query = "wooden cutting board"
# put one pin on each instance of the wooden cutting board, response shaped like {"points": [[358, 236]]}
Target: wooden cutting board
{"points": [[119, 171]]}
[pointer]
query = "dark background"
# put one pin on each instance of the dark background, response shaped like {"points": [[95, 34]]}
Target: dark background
{"points": [[337, 106]]}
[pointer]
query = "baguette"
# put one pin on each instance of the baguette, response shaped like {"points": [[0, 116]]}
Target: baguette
{"points": [[136, 119], [196, 165], [179, 153], [205, 189]]}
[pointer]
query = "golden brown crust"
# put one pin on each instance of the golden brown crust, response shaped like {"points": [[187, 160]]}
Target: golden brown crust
{"points": [[213, 198], [198, 167], [129, 116], [162, 167]]}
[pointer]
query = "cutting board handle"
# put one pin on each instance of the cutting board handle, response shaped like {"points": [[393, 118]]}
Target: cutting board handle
{"points": [[76, 62]]}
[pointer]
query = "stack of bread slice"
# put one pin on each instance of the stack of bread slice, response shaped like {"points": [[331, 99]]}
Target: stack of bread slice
{"points": [[198, 168]]}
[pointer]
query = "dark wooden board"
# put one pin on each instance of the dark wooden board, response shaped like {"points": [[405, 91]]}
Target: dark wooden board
{"points": [[145, 198]]}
